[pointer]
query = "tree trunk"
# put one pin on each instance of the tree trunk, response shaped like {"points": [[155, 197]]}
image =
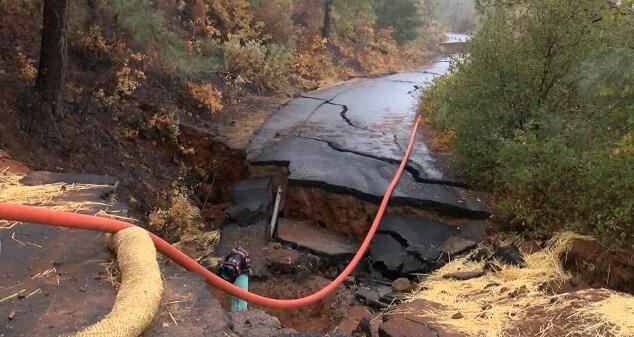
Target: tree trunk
{"points": [[52, 67], [325, 29]]}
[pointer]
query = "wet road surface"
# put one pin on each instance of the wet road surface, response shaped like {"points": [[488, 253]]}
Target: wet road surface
{"points": [[350, 138]]}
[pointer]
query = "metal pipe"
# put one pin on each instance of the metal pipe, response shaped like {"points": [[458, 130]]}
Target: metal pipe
{"points": [[276, 211]]}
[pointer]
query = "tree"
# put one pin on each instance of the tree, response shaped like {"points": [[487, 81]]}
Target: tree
{"points": [[325, 29], [542, 112], [52, 67], [428, 9], [403, 16]]}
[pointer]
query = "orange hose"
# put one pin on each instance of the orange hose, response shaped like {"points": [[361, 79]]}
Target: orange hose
{"points": [[73, 220]]}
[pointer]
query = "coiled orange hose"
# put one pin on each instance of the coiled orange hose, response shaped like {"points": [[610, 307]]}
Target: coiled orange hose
{"points": [[72, 220]]}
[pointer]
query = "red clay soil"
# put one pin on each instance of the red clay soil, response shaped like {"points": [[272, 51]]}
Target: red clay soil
{"points": [[538, 318], [11, 165], [601, 267]]}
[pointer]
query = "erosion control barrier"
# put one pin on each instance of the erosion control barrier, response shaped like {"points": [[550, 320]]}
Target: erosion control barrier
{"points": [[72, 220], [139, 295]]}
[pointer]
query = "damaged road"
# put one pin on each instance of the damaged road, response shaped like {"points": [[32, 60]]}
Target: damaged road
{"points": [[350, 139]]}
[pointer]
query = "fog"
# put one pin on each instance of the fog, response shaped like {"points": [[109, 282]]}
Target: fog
{"points": [[457, 15]]}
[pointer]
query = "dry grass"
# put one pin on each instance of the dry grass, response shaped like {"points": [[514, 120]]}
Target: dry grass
{"points": [[180, 214], [206, 238], [48, 195], [182, 220], [493, 305], [113, 275]]}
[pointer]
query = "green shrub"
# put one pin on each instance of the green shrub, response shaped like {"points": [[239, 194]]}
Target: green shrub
{"points": [[148, 29], [542, 113], [264, 66]]}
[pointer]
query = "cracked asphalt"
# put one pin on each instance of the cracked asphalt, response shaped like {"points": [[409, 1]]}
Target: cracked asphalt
{"points": [[350, 138]]}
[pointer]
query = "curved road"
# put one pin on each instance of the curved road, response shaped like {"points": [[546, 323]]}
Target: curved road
{"points": [[350, 137]]}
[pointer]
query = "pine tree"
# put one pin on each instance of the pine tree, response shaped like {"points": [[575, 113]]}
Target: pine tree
{"points": [[52, 67], [404, 16]]}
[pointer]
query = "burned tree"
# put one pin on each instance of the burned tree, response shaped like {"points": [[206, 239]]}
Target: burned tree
{"points": [[49, 86], [325, 29]]}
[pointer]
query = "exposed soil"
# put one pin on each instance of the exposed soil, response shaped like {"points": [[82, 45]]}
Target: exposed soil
{"points": [[340, 213], [346, 214], [285, 274], [152, 161], [140, 141], [539, 318], [600, 267], [322, 317]]}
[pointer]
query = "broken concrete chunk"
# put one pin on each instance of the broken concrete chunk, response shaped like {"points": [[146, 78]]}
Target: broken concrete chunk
{"points": [[456, 245], [282, 260], [303, 235], [407, 244], [415, 232], [353, 319], [317, 163], [251, 201], [409, 320], [403, 327], [387, 255], [374, 296], [413, 264], [473, 231]]}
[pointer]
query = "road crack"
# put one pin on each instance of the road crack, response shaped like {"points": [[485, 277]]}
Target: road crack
{"points": [[414, 172], [342, 114]]}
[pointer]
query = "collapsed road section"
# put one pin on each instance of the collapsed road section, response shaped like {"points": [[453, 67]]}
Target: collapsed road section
{"points": [[336, 150]]}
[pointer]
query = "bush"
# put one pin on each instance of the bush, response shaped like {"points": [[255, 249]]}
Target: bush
{"points": [[178, 218], [92, 44], [551, 184], [264, 66], [541, 114], [128, 80], [276, 16], [25, 66], [208, 96], [312, 63]]}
